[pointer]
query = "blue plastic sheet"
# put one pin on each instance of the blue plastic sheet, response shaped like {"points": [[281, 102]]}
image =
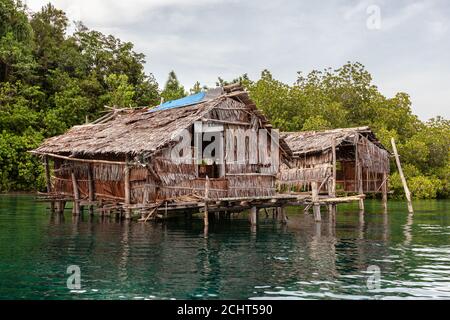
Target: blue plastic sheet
{"points": [[186, 101]]}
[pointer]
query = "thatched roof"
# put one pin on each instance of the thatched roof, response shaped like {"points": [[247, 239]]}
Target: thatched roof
{"points": [[319, 141], [137, 131]]}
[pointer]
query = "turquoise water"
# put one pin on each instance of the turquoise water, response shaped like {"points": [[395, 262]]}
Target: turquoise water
{"points": [[176, 260]]}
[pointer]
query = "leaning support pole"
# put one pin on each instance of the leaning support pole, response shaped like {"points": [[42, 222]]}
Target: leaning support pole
{"points": [[315, 201], [49, 182], [402, 176], [76, 196], [127, 190]]}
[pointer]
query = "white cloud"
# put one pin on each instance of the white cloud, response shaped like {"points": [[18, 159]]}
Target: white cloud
{"points": [[204, 39]]}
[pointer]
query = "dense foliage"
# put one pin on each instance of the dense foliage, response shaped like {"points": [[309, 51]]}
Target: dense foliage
{"points": [[50, 81], [346, 97]]}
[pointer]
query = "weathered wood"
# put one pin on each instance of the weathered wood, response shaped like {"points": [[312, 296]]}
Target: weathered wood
{"points": [[127, 190], [76, 195], [315, 200], [402, 176]]}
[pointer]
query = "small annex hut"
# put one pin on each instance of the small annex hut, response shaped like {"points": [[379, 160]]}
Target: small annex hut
{"points": [[350, 160], [125, 158]]}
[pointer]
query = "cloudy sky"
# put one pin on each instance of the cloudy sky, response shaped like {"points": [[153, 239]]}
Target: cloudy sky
{"points": [[404, 44]]}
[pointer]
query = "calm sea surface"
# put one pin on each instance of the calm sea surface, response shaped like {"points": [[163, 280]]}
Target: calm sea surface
{"points": [[175, 260]]}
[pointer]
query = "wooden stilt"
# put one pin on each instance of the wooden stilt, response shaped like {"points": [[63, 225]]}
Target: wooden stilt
{"points": [[76, 195], [49, 182], [361, 204], [283, 216], [384, 190], [253, 216], [359, 175], [205, 214], [332, 185], [127, 189], [60, 206], [402, 176], [315, 200]]}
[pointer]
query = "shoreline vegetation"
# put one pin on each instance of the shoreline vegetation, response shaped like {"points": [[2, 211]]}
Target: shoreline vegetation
{"points": [[51, 80]]}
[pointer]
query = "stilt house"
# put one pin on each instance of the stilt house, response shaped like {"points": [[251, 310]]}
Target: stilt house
{"points": [[351, 160], [131, 156]]}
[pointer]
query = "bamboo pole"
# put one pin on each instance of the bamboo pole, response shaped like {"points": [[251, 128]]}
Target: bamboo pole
{"points": [[402, 176]]}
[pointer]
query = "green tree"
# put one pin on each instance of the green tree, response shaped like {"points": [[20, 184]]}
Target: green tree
{"points": [[173, 89], [120, 92]]}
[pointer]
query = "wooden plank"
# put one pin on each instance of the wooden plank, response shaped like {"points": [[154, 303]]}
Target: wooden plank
{"points": [[402, 176]]}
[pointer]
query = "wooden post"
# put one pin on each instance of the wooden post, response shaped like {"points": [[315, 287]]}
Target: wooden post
{"points": [[402, 176], [332, 185], [205, 213], [91, 186], [359, 175], [253, 216], [282, 214], [315, 200], [76, 195], [127, 189], [384, 190], [49, 182]]}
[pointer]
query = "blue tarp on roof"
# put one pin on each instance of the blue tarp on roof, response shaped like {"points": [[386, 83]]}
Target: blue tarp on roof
{"points": [[186, 101]]}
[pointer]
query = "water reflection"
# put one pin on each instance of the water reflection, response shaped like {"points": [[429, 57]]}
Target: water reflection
{"points": [[180, 259]]}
